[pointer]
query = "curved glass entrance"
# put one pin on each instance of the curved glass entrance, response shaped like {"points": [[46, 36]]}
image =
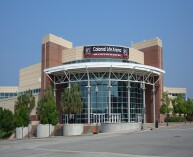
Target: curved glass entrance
{"points": [[107, 103]]}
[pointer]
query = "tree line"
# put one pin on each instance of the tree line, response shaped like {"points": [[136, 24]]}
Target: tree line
{"points": [[46, 109], [23, 106], [177, 106]]}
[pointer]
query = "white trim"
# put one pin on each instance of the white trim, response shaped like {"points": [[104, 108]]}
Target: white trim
{"points": [[98, 65]]}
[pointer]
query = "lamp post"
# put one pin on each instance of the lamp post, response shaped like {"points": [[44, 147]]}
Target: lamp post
{"points": [[142, 119], [96, 89], [167, 106], [28, 119], [144, 109]]}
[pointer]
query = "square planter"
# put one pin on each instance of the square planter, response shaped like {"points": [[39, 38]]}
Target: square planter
{"points": [[72, 129], [44, 130]]}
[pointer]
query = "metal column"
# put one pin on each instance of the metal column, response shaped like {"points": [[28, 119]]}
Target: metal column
{"points": [[88, 88], [109, 105], [154, 118], [144, 106], [54, 88], [129, 103], [109, 91]]}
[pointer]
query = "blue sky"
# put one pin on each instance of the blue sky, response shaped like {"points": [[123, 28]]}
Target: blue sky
{"points": [[23, 23]]}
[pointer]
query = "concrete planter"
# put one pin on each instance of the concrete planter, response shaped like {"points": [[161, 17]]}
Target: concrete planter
{"points": [[43, 130], [72, 129], [116, 127], [21, 132]]}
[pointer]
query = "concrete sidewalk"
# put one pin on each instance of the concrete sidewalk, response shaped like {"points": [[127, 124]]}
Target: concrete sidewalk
{"points": [[150, 126]]}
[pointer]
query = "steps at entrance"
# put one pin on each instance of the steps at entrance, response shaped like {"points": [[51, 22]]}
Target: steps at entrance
{"points": [[89, 129], [58, 130], [33, 132]]}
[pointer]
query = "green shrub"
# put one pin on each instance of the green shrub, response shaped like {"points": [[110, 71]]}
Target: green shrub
{"points": [[6, 122], [175, 119]]}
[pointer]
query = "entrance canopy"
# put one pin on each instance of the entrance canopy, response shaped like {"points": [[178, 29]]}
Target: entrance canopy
{"points": [[136, 72]]}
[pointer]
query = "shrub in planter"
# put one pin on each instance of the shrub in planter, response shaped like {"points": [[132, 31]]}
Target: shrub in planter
{"points": [[48, 114]]}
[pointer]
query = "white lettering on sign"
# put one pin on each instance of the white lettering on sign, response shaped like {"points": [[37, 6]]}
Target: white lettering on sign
{"points": [[99, 49], [103, 51]]}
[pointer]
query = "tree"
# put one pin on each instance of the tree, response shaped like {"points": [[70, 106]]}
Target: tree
{"points": [[179, 105], [189, 106], [165, 108], [72, 100], [6, 122], [175, 109], [46, 109], [21, 117], [23, 107], [189, 109]]}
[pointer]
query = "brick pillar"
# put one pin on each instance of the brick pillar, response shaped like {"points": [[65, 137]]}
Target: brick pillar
{"points": [[52, 47], [51, 56], [149, 104], [153, 57]]}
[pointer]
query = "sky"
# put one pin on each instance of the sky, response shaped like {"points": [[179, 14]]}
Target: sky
{"points": [[23, 23]]}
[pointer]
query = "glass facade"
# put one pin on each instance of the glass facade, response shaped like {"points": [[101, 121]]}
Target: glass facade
{"points": [[15, 94], [109, 103], [7, 95], [33, 91]]}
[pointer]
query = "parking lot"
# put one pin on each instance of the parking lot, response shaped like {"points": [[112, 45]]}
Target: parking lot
{"points": [[168, 141]]}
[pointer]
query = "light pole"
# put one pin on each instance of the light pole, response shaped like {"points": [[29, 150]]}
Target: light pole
{"points": [[144, 109], [167, 106], [142, 119], [28, 119], [96, 89]]}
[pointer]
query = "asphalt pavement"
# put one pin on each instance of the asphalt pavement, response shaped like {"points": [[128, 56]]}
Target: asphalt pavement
{"points": [[174, 141]]}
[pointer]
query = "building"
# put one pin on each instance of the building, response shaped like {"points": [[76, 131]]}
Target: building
{"points": [[118, 84], [174, 92], [29, 78]]}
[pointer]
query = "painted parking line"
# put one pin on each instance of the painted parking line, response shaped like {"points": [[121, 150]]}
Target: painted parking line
{"points": [[181, 129], [88, 154]]}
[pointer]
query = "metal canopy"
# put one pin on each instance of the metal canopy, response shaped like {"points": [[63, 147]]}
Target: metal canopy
{"points": [[137, 72]]}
